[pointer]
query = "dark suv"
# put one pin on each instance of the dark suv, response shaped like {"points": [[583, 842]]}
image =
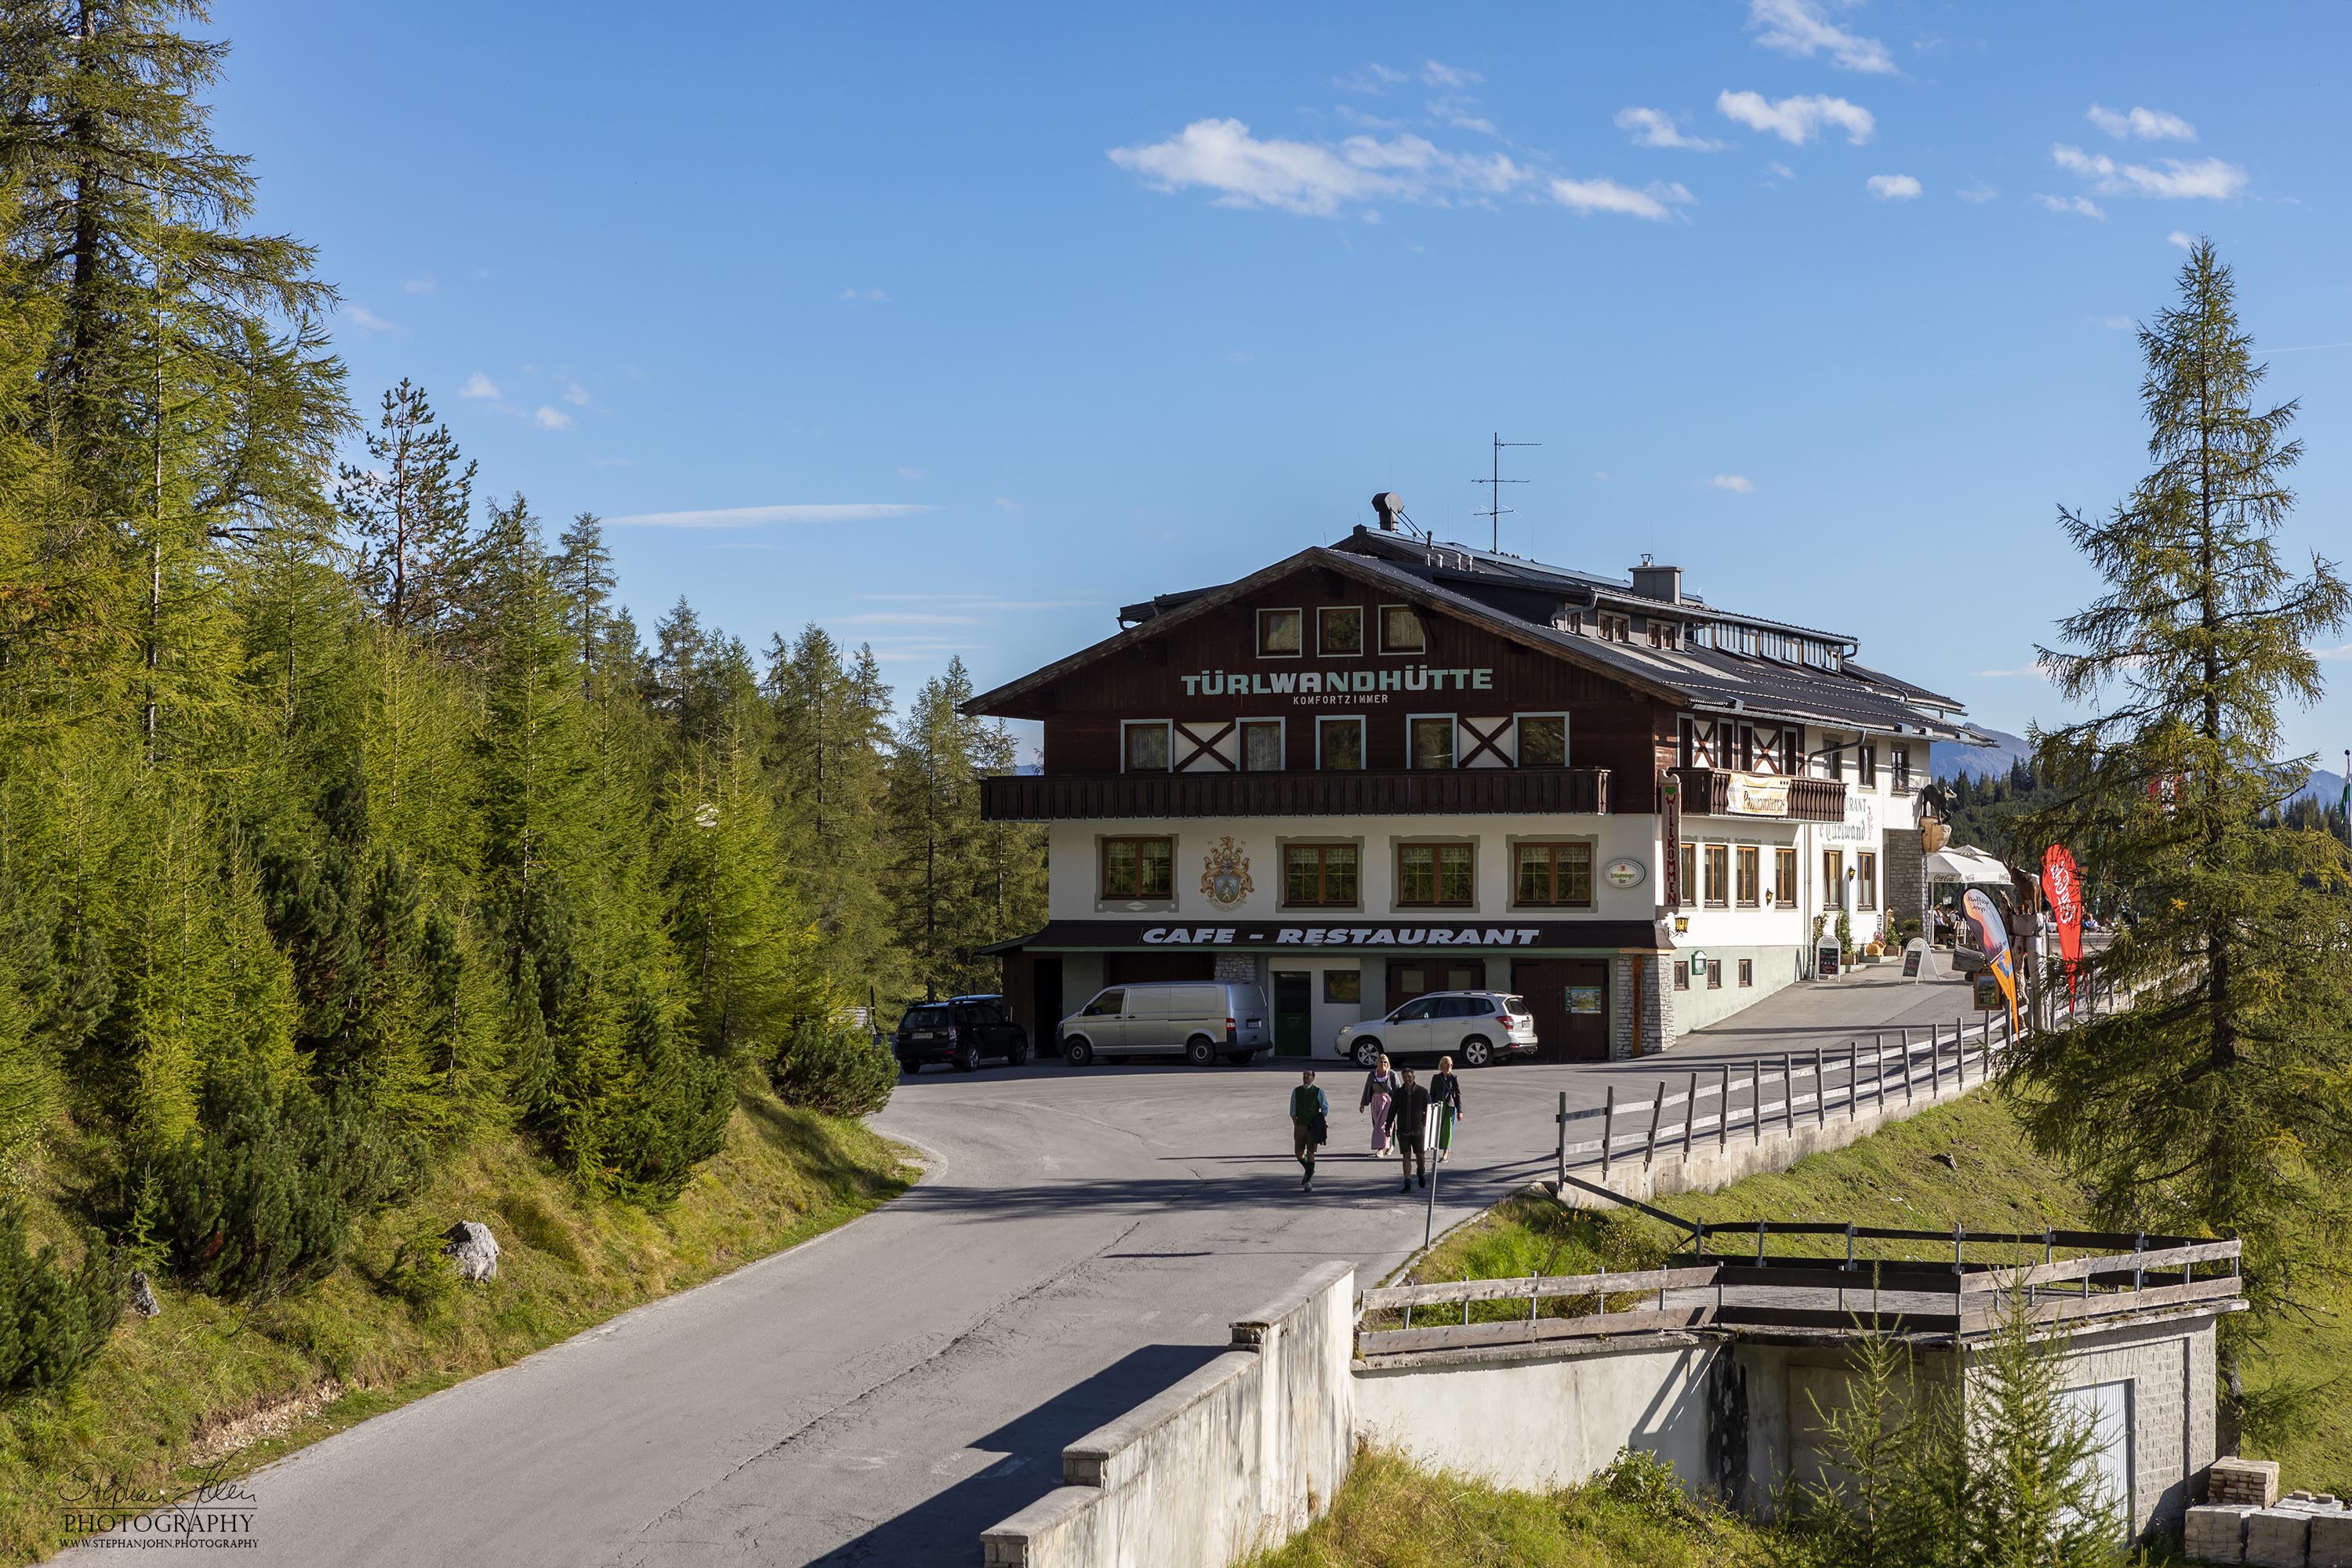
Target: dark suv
{"points": [[961, 1030]]}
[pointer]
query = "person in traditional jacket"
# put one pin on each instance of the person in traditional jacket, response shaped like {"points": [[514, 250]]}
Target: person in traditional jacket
{"points": [[1380, 1086], [1311, 1123], [1445, 1093]]}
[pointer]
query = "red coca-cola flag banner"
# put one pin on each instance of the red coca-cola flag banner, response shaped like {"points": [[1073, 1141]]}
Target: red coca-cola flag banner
{"points": [[2062, 885]]}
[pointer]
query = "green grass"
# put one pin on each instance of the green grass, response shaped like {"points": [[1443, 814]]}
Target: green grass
{"points": [[153, 1413], [2298, 1376], [1392, 1514]]}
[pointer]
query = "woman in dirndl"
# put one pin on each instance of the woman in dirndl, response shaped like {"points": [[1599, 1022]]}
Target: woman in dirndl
{"points": [[1379, 1085]]}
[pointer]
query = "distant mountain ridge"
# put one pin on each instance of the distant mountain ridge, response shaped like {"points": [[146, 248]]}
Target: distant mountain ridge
{"points": [[1949, 759]]}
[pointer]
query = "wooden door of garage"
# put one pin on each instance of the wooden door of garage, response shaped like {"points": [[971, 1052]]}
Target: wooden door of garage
{"points": [[1570, 997]]}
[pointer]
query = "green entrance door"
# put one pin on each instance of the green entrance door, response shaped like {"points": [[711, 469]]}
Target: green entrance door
{"points": [[1293, 1013]]}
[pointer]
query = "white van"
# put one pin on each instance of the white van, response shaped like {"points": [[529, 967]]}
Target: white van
{"points": [[1197, 1019]]}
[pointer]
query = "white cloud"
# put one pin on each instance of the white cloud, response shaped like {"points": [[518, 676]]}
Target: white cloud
{"points": [[1893, 187], [1656, 128], [1006, 503], [752, 516], [1317, 178], [906, 618], [478, 385], [1587, 196], [907, 473], [2207, 178], [1604, 476], [2035, 670], [1461, 122], [1780, 170], [1804, 27], [1239, 356], [1977, 192], [366, 320], [419, 285], [1438, 74], [1369, 78], [864, 296], [575, 395], [1798, 121], [2182, 239], [2081, 207], [552, 419], [2118, 323], [1739, 484], [2142, 125]]}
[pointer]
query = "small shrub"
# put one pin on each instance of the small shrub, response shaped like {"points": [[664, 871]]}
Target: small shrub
{"points": [[53, 1319], [421, 1272], [675, 1116], [1645, 1483], [834, 1067], [262, 1198]]}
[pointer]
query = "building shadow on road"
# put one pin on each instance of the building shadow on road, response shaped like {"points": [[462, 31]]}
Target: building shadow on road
{"points": [[946, 1528]]}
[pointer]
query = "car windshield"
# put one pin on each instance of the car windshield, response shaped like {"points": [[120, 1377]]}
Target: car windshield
{"points": [[925, 1018]]}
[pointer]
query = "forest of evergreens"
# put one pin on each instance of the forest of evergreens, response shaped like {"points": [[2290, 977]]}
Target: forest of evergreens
{"points": [[345, 816]]}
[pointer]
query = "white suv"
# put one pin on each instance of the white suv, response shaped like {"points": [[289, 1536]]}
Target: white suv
{"points": [[1474, 1027]]}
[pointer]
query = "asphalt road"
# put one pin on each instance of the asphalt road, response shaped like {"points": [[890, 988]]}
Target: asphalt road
{"points": [[882, 1393]]}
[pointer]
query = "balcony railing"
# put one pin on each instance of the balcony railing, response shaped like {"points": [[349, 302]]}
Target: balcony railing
{"points": [[1046, 797], [1707, 792]]}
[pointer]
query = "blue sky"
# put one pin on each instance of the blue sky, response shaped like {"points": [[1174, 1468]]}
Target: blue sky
{"points": [[982, 322]]}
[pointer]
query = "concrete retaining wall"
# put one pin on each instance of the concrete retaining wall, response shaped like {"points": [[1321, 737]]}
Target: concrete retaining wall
{"points": [[1533, 1421], [1241, 1453]]}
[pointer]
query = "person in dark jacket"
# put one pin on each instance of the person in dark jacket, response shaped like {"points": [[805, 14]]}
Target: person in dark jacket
{"points": [[1445, 1093], [1310, 1124], [1408, 1116]]}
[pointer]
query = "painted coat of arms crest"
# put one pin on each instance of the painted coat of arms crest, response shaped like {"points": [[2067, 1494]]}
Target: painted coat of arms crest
{"points": [[1225, 874]]}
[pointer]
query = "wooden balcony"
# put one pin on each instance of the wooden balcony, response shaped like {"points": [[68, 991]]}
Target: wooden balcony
{"points": [[1706, 792], [1044, 797]]}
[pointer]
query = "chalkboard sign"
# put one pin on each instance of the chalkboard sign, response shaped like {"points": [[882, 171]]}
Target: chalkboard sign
{"points": [[1827, 960], [1912, 955]]}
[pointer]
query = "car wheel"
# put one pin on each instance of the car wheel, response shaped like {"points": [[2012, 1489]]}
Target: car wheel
{"points": [[1201, 1050], [1019, 1055], [1367, 1054], [909, 1068], [1476, 1052], [967, 1058], [1078, 1051], [1240, 1059]]}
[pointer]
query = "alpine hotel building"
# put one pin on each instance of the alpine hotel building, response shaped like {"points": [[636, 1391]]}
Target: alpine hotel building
{"points": [[1395, 766]]}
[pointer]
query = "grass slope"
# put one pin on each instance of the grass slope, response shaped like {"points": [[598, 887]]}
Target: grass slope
{"points": [[211, 1389], [1392, 1514], [2299, 1378]]}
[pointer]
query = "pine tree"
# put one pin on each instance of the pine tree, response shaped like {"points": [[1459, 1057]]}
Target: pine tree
{"points": [[584, 575], [407, 511], [828, 763], [2221, 1100]]}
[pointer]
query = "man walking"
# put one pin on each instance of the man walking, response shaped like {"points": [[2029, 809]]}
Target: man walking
{"points": [[1409, 1116], [1310, 1124]]}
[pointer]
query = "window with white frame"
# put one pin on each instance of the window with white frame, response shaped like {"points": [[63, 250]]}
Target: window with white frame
{"points": [[1144, 746], [1429, 741], [1340, 744], [1261, 745]]}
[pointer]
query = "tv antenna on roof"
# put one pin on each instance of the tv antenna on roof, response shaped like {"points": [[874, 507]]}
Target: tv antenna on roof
{"points": [[1496, 510]]}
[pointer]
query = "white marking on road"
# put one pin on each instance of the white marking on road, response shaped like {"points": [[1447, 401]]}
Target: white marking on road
{"points": [[1004, 1468]]}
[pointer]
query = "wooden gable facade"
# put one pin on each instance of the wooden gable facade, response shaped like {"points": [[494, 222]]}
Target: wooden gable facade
{"points": [[1205, 675]]}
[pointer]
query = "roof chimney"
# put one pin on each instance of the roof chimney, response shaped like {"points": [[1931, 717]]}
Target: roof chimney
{"points": [[1658, 581], [1390, 508]]}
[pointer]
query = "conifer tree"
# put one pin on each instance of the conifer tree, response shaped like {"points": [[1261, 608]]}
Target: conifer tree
{"points": [[828, 764], [583, 574], [405, 510], [2220, 1098]]}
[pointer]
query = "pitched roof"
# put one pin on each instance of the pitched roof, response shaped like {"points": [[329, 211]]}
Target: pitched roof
{"points": [[1708, 680]]}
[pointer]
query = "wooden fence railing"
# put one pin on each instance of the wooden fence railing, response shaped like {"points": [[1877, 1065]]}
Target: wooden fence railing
{"points": [[2119, 1276]]}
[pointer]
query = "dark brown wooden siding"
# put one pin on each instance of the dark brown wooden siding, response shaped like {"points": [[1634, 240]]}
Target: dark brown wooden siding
{"points": [[1610, 727]]}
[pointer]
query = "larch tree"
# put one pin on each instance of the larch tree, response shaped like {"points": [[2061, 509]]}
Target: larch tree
{"points": [[2220, 1098]]}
